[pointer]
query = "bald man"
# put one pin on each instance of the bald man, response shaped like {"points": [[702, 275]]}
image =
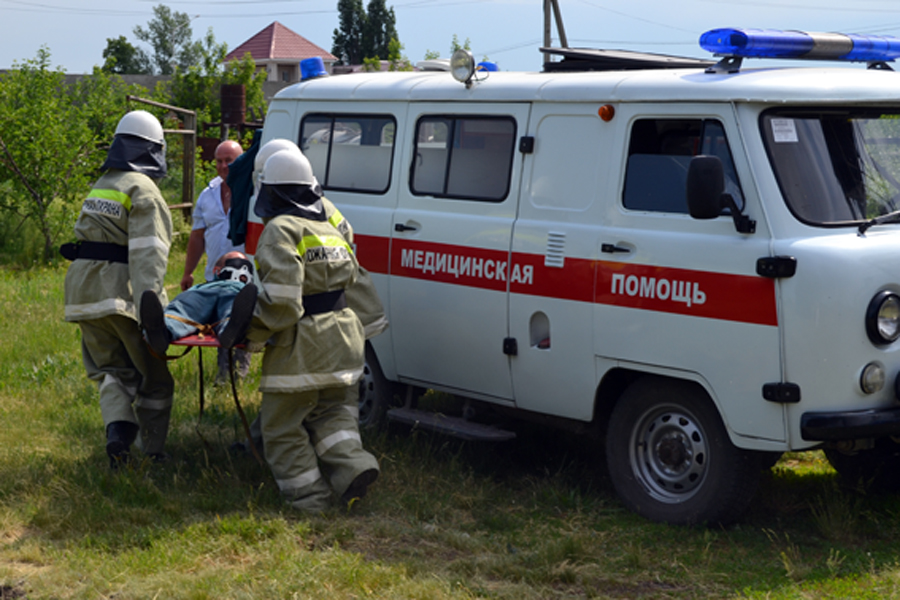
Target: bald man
{"points": [[209, 234]]}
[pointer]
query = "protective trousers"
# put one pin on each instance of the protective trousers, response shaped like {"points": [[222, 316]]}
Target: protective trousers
{"points": [[134, 385], [313, 445]]}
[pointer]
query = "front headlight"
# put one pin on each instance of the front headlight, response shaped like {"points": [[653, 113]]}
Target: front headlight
{"points": [[883, 318]]}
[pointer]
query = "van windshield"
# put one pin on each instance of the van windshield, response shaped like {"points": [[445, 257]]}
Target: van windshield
{"points": [[835, 166]]}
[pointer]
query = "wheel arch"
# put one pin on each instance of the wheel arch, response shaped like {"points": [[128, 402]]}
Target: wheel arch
{"points": [[617, 380]]}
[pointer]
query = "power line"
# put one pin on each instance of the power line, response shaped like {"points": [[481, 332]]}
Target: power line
{"points": [[643, 20], [49, 8]]}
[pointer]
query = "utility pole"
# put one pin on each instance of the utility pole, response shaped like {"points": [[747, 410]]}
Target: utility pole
{"points": [[553, 6]]}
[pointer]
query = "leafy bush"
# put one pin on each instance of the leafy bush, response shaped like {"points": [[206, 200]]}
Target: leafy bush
{"points": [[50, 146]]}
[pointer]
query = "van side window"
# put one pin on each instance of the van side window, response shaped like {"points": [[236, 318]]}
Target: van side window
{"points": [[463, 157], [349, 152], [658, 156]]}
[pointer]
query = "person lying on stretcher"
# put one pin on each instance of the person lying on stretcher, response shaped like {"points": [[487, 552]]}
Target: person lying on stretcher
{"points": [[222, 307]]}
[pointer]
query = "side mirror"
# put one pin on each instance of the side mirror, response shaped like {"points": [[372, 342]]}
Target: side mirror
{"points": [[706, 196], [705, 186]]}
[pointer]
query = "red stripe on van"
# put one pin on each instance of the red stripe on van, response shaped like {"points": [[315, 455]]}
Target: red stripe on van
{"points": [[705, 294], [741, 298], [372, 252]]}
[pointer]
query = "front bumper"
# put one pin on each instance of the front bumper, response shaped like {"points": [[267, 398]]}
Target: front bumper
{"points": [[850, 425]]}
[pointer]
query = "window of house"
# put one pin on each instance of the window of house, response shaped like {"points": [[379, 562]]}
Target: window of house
{"points": [[350, 152], [466, 157]]}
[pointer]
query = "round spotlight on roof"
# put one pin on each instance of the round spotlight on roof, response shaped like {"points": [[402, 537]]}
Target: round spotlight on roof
{"points": [[462, 66]]}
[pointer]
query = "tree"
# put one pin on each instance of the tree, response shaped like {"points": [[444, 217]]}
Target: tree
{"points": [[455, 45], [121, 57], [244, 72], [348, 39], [364, 34], [398, 61], [49, 141], [378, 30], [198, 87], [169, 34]]}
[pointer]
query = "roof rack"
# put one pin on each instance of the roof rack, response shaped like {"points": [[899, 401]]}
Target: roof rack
{"points": [[591, 59]]}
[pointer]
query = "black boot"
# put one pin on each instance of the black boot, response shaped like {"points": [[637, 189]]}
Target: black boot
{"points": [[154, 323], [119, 437], [359, 486], [241, 313]]}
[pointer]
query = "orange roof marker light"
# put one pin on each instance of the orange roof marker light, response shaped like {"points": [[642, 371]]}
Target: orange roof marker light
{"points": [[607, 112]]}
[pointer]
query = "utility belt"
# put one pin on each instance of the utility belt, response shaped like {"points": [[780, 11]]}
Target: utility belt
{"points": [[316, 304], [95, 251]]}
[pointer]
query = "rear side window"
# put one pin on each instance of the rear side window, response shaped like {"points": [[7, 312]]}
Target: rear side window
{"points": [[463, 157], [659, 152], [350, 152]]}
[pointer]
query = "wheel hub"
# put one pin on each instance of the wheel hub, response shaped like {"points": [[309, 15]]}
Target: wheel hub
{"points": [[669, 454], [673, 452]]}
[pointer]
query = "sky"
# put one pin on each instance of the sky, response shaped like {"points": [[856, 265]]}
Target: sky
{"points": [[508, 32]]}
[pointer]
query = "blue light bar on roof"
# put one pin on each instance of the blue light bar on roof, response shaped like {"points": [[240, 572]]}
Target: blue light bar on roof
{"points": [[772, 43]]}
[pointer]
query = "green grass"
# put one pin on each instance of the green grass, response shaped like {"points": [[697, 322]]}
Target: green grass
{"points": [[527, 519]]}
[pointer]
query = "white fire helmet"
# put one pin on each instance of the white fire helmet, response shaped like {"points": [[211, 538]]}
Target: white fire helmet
{"points": [[270, 148], [287, 167], [142, 124]]}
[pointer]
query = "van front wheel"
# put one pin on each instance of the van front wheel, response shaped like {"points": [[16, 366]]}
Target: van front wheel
{"points": [[670, 458]]}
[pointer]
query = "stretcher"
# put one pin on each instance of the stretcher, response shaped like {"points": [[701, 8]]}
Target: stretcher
{"points": [[200, 341]]}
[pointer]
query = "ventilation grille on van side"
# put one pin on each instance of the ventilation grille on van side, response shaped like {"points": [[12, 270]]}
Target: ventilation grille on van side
{"points": [[556, 250], [592, 59]]}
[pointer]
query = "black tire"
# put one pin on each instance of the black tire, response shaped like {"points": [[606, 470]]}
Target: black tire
{"points": [[670, 458], [876, 469], [376, 394]]}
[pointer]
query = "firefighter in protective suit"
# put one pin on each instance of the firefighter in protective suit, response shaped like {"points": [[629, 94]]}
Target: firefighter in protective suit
{"points": [[362, 297], [315, 351], [123, 235]]}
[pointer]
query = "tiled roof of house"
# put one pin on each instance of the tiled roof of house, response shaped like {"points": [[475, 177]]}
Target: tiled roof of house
{"points": [[278, 42]]}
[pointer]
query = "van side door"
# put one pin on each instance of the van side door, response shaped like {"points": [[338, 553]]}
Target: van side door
{"points": [[555, 243], [683, 297], [450, 247]]}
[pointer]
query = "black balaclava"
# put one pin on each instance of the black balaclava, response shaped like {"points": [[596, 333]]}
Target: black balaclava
{"points": [[132, 153], [299, 200]]}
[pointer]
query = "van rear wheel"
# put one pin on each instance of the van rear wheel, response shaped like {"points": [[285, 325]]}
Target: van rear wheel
{"points": [[670, 458], [376, 394]]}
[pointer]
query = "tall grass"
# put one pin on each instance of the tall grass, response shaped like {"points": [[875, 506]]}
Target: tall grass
{"points": [[532, 518]]}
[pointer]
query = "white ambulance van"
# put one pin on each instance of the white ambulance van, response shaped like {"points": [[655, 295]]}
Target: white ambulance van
{"points": [[698, 259]]}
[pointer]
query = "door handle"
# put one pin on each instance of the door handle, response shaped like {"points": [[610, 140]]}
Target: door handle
{"points": [[613, 249], [401, 227]]}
